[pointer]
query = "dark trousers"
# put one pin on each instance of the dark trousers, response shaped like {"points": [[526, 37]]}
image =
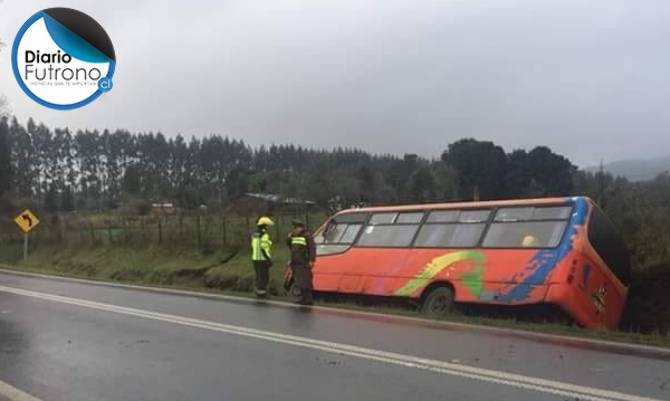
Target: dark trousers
{"points": [[302, 276], [262, 268]]}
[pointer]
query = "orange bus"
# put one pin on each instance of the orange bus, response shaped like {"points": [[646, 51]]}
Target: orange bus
{"points": [[559, 251]]}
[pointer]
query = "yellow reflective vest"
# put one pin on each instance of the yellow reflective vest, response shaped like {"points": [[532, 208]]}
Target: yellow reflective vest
{"points": [[261, 246]]}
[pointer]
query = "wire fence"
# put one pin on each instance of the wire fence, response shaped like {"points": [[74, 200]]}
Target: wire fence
{"points": [[201, 231]]}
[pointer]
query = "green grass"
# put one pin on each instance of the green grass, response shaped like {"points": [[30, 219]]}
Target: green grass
{"points": [[154, 265], [229, 270]]}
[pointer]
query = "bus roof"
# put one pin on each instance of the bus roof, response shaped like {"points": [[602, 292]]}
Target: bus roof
{"points": [[469, 205]]}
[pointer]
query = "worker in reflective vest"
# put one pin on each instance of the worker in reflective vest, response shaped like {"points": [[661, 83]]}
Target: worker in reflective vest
{"points": [[261, 255], [303, 256]]}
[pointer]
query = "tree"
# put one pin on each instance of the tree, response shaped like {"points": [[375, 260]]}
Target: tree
{"points": [[481, 167], [367, 184], [446, 182], [422, 185], [51, 203], [5, 157], [67, 200], [551, 172], [131, 180], [25, 170], [518, 177]]}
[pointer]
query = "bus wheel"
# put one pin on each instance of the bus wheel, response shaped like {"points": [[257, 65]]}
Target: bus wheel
{"points": [[439, 302]]}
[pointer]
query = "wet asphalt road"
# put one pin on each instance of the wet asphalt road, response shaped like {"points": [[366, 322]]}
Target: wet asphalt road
{"points": [[58, 351]]}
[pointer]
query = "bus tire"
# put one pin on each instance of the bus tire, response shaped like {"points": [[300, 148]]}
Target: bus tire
{"points": [[438, 302]]}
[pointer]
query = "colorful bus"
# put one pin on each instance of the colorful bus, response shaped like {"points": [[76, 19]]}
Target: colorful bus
{"points": [[559, 251]]}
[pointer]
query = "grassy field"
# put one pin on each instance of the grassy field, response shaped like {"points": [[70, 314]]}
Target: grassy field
{"points": [[223, 269], [228, 270]]}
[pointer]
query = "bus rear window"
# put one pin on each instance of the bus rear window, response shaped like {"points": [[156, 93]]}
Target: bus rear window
{"points": [[607, 243]]}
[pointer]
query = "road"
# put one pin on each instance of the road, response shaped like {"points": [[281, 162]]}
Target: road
{"points": [[63, 340]]}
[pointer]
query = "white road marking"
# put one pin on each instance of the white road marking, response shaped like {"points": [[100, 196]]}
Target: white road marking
{"points": [[409, 361], [14, 394], [617, 346]]}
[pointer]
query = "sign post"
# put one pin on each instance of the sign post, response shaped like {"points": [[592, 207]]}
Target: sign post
{"points": [[25, 247], [26, 221]]}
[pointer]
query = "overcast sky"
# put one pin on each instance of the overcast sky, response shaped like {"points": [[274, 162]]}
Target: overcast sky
{"points": [[590, 79]]}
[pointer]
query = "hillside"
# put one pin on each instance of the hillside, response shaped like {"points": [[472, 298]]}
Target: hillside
{"points": [[636, 169]]}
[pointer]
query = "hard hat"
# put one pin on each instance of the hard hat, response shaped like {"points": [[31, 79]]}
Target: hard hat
{"points": [[529, 241], [297, 223], [265, 221]]}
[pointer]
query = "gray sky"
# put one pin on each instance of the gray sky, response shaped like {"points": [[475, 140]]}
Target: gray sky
{"points": [[590, 79]]}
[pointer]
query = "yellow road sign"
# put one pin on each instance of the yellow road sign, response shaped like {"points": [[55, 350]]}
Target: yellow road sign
{"points": [[26, 220]]}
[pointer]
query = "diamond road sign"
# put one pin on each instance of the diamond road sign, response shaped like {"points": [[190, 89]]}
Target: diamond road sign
{"points": [[26, 220]]}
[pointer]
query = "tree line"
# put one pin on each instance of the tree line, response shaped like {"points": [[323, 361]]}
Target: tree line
{"points": [[65, 170]]}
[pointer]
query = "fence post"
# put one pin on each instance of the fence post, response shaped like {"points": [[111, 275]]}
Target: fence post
{"points": [[181, 227], [92, 231], [197, 224], [160, 230], [126, 230], [223, 223]]}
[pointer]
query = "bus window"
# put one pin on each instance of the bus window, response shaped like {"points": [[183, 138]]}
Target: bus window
{"points": [[528, 227], [398, 235], [474, 216], [607, 243], [552, 213], [452, 228], [383, 218], [453, 216], [409, 218], [443, 216], [533, 213], [349, 235], [527, 234], [449, 235], [339, 234], [333, 233]]}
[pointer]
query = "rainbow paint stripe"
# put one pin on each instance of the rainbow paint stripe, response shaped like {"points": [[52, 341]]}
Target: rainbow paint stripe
{"points": [[438, 264]]}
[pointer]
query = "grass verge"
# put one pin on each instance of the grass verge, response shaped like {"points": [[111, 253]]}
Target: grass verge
{"points": [[229, 271]]}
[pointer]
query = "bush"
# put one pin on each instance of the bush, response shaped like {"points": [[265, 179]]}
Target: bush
{"points": [[648, 307]]}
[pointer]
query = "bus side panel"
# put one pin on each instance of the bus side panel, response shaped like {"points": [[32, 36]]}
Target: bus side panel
{"points": [[477, 275], [353, 269], [425, 266], [327, 271]]}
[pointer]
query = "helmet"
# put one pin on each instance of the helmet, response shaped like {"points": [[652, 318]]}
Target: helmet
{"points": [[265, 221]]}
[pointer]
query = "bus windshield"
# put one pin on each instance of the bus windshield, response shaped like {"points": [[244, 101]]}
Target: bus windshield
{"points": [[339, 234]]}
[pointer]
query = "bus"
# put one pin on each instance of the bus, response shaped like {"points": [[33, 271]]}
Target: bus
{"points": [[558, 251]]}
